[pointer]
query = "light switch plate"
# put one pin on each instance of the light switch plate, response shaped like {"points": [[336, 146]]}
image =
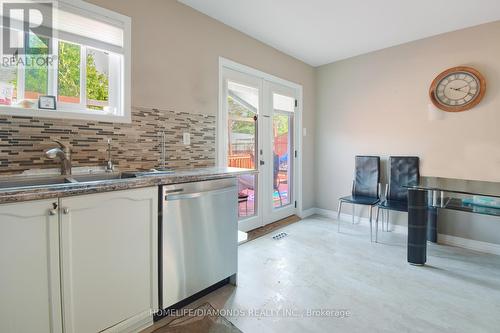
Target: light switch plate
{"points": [[186, 138], [304, 131]]}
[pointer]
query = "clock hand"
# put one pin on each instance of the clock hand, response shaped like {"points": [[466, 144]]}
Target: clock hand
{"points": [[467, 93], [458, 89]]}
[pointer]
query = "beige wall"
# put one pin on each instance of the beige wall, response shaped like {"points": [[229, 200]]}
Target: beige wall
{"points": [[378, 104], [175, 52]]}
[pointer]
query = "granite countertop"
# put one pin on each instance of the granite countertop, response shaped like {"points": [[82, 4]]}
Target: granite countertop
{"points": [[79, 188]]}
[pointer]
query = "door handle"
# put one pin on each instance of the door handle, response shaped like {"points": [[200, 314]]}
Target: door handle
{"points": [[261, 162], [170, 197], [177, 190]]}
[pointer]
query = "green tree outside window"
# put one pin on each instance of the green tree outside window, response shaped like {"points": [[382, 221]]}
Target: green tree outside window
{"points": [[69, 70], [68, 84], [97, 83], [36, 75]]}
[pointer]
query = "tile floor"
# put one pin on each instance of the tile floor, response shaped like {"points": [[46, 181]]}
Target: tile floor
{"points": [[315, 267]]}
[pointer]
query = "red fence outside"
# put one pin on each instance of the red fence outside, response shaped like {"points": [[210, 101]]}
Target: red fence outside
{"points": [[241, 161]]}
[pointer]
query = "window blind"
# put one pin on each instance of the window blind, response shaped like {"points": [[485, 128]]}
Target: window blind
{"points": [[80, 26], [88, 28]]}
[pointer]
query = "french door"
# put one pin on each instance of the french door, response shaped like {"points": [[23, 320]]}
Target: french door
{"points": [[259, 132]]}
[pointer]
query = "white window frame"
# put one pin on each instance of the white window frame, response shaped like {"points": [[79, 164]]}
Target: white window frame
{"points": [[119, 77]]}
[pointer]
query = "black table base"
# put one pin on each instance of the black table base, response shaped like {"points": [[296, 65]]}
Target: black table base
{"points": [[432, 216], [418, 215]]}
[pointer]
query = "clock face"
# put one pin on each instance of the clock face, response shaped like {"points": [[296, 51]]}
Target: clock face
{"points": [[457, 89]]}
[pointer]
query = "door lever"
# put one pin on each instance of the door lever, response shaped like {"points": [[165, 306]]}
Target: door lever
{"points": [[177, 190]]}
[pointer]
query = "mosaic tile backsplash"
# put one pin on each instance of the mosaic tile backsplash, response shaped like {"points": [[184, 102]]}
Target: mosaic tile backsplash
{"points": [[23, 141]]}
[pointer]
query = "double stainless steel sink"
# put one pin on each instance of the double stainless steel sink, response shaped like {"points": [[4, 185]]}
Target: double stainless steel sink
{"points": [[100, 177], [37, 181], [20, 181]]}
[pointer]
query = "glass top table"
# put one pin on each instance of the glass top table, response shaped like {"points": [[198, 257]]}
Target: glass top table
{"points": [[462, 186], [431, 193]]}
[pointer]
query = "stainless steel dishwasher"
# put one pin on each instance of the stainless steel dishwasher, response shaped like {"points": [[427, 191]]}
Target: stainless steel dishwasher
{"points": [[199, 237]]}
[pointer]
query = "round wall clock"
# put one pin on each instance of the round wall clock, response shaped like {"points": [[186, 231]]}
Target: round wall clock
{"points": [[457, 89]]}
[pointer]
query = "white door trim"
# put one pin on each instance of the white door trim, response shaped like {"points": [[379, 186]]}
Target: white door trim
{"points": [[220, 133]]}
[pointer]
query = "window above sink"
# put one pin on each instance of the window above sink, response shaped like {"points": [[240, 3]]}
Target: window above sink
{"points": [[80, 70]]}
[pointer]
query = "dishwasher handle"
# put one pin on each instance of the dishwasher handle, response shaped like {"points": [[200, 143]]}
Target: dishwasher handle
{"points": [[171, 197]]}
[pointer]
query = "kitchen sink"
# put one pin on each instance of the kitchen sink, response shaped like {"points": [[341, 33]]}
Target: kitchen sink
{"points": [[33, 182], [154, 172], [101, 177]]}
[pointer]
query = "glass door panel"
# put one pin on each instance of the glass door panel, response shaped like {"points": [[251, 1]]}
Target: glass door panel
{"points": [[279, 198], [282, 151], [242, 106]]}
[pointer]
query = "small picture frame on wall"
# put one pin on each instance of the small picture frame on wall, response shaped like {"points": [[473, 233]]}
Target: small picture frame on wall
{"points": [[47, 102]]}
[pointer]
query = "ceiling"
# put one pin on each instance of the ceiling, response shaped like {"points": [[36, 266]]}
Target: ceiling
{"points": [[323, 31]]}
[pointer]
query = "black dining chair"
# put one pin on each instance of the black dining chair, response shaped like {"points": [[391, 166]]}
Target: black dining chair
{"points": [[365, 187], [404, 170]]}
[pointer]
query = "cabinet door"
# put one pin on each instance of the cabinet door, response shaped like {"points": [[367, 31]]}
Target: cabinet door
{"points": [[109, 260], [29, 260]]}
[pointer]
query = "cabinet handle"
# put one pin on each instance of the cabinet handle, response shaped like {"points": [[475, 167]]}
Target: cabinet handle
{"points": [[52, 212], [66, 211]]}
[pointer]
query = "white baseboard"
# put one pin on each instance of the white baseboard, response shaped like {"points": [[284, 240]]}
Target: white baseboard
{"points": [[361, 220], [469, 244], [133, 325], [307, 212], [465, 243]]}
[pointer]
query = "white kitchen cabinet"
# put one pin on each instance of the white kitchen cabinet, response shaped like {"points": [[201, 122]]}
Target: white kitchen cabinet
{"points": [[29, 267], [109, 260]]}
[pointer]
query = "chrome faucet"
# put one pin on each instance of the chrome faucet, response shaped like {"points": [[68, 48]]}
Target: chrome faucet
{"points": [[109, 164], [62, 152]]}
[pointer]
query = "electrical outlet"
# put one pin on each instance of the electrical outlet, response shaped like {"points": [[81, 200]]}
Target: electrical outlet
{"points": [[186, 138]]}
